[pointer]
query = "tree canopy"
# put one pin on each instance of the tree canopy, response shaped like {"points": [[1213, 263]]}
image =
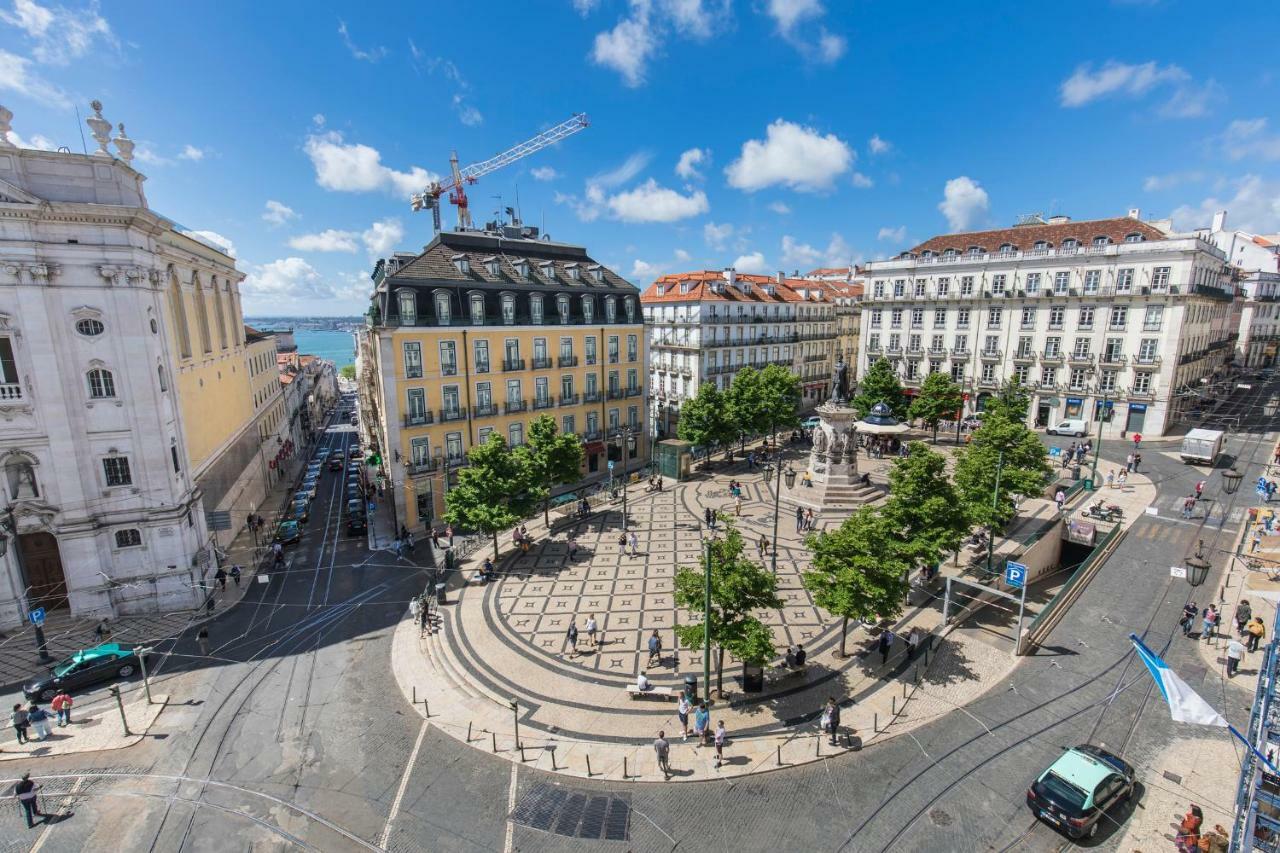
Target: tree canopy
{"points": [[880, 385], [923, 508], [763, 401], [347, 371], [705, 420], [1023, 469], [939, 398], [1011, 401], [552, 457], [495, 490]]}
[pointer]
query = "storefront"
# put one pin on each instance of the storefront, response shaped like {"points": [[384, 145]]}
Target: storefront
{"points": [[1137, 417], [1075, 405], [1044, 410], [1104, 412]]}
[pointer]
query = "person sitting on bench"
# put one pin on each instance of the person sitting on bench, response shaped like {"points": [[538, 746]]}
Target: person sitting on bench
{"points": [[486, 571], [865, 479], [642, 683], [801, 654], [791, 657]]}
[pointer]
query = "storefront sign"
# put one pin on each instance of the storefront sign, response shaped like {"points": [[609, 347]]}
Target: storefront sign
{"points": [[1081, 532], [1137, 407]]}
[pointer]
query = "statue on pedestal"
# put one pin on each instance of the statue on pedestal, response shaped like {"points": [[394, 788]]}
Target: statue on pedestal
{"points": [[840, 383]]}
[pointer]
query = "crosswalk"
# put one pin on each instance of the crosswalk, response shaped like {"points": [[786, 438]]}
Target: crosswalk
{"points": [[1170, 507]]}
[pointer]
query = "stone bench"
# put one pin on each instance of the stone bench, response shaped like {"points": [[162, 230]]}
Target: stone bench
{"points": [[637, 693]]}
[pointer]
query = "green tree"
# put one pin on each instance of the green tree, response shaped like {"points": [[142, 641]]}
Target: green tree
{"points": [[1003, 447], [704, 420], [1011, 401], [780, 393], [859, 570], [739, 588], [495, 490], [939, 398], [347, 371], [923, 509], [880, 385], [744, 401], [552, 457]]}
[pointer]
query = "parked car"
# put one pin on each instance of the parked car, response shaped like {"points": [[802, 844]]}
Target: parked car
{"points": [[354, 451], [1071, 426], [356, 520], [1078, 789], [355, 419], [353, 491], [811, 422], [107, 662], [289, 532], [336, 459], [303, 494], [300, 510]]}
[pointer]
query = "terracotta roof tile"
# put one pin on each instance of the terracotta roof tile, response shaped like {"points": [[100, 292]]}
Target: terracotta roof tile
{"points": [[701, 282], [1025, 236]]}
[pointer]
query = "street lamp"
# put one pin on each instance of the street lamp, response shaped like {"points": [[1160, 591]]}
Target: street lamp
{"points": [[1231, 480], [1097, 450], [625, 441], [777, 496], [1197, 566]]}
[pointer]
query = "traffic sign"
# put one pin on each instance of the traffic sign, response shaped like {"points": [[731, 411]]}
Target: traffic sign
{"points": [[37, 617], [610, 464], [1015, 574]]}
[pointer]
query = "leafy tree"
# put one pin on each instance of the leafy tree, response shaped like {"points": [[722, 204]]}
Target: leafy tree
{"points": [[1012, 401], [859, 570], [923, 509], [880, 385], [739, 588], [744, 401], [705, 420], [764, 401], [940, 397], [1004, 446], [552, 456], [495, 490], [347, 371]]}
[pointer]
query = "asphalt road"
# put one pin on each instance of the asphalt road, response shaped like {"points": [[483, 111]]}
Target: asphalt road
{"points": [[296, 737]]}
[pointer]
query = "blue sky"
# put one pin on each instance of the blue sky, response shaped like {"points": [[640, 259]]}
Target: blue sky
{"points": [[770, 134]]}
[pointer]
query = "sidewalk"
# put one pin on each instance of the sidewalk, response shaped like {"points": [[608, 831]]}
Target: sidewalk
{"points": [[92, 730]]}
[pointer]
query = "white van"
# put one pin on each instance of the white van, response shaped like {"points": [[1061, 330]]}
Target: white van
{"points": [[1071, 426]]}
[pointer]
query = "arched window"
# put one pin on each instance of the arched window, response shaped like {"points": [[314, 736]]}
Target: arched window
{"points": [[508, 309], [202, 315], [1042, 246], [1133, 237], [588, 309], [610, 308], [1101, 240], [1070, 244], [443, 313], [950, 253], [219, 316], [408, 306], [629, 305], [562, 305], [177, 304], [535, 308], [90, 328], [477, 309], [164, 381], [101, 383]]}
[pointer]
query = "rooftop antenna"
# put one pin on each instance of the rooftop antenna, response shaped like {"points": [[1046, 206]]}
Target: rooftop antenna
{"points": [[80, 127], [519, 220], [497, 212]]}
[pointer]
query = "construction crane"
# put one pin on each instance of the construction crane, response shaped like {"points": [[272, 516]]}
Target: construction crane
{"points": [[455, 184]]}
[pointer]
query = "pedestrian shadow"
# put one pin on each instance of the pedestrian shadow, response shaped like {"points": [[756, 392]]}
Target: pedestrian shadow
{"points": [[52, 819]]}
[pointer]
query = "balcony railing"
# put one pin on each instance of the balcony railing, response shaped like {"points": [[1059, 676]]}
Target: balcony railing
{"points": [[543, 402], [591, 397], [418, 419], [570, 400], [1150, 360], [447, 415], [542, 364], [513, 406], [1051, 358], [425, 467], [510, 364], [615, 394], [991, 355], [568, 361], [1113, 358], [1024, 355], [485, 410], [592, 435], [1081, 358], [1135, 394], [482, 367], [634, 392]]}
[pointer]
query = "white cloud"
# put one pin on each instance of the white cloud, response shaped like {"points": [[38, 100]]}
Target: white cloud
{"points": [[1254, 207], [650, 202], [467, 114], [594, 200], [358, 168], [717, 236], [1249, 138], [643, 270], [373, 54], [861, 181], [690, 160], [216, 239], [277, 213], [37, 141], [893, 235], [382, 236], [779, 207], [544, 173], [964, 203], [190, 152], [585, 7], [791, 155], [682, 255], [60, 34], [695, 18], [1159, 183], [1116, 78], [628, 47], [1191, 101], [146, 154], [286, 280], [318, 119], [830, 46], [788, 13], [791, 16], [16, 76], [878, 145], [753, 263], [803, 256], [329, 240]]}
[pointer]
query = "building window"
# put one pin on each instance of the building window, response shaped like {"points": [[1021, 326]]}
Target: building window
{"points": [[1052, 347], [448, 358], [408, 308], [1147, 348], [535, 309], [1154, 318], [939, 318], [588, 309], [101, 384], [567, 425], [1082, 347], [1092, 279], [477, 309], [610, 309], [173, 456], [116, 470], [629, 306], [1061, 283], [1033, 283], [876, 315], [484, 398], [1086, 317], [508, 309], [453, 447], [1142, 383], [1056, 315], [590, 347], [542, 391], [131, 538], [966, 285], [613, 349], [566, 387], [993, 317], [443, 314], [515, 434], [944, 286], [1133, 237], [633, 347], [420, 451], [90, 328], [177, 303], [481, 354], [1107, 381], [164, 381], [917, 318], [1021, 374], [1119, 315], [513, 391], [962, 318], [997, 284], [449, 399], [202, 317], [412, 360], [1077, 379], [1160, 278], [562, 305], [1124, 280]]}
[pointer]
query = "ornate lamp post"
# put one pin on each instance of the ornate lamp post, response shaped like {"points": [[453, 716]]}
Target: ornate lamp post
{"points": [[626, 442], [1231, 480], [1197, 566], [777, 496]]}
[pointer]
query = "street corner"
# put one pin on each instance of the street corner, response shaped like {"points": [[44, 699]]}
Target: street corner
{"points": [[98, 729]]}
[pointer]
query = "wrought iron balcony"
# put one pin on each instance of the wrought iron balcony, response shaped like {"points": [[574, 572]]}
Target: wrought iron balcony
{"points": [[485, 410], [1051, 358], [415, 419], [570, 400], [513, 406], [568, 361], [591, 397], [542, 364], [543, 402], [510, 364], [447, 415]]}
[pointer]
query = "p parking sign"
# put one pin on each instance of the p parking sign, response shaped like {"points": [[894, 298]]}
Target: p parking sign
{"points": [[1015, 575]]}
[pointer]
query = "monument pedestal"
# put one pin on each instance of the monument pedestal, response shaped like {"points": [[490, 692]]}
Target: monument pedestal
{"points": [[836, 489]]}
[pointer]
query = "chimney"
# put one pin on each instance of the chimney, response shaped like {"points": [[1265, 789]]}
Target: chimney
{"points": [[781, 276], [731, 276], [1135, 213], [1219, 221]]}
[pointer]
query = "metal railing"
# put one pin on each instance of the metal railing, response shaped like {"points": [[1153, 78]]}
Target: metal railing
{"points": [[510, 364], [419, 419]]}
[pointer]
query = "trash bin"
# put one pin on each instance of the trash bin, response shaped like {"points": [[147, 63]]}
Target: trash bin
{"points": [[752, 678], [440, 598], [691, 687], [1075, 472]]}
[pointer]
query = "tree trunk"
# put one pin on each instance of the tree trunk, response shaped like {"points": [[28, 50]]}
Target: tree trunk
{"points": [[844, 632], [935, 432], [495, 546], [720, 671], [546, 511]]}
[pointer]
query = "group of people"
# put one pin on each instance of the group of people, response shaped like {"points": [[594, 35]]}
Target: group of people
{"points": [[403, 543], [1191, 838], [655, 485], [804, 519], [448, 534], [1075, 453], [886, 640], [221, 576], [701, 730], [22, 719], [591, 627], [521, 539], [1250, 630]]}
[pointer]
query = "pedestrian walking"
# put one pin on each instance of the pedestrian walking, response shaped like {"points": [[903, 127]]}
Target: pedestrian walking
{"points": [[1128, 462], [799, 519], [277, 551], [25, 793], [885, 643], [202, 640], [435, 538], [571, 638], [221, 577], [831, 719], [19, 722], [1111, 479], [1188, 506], [1189, 612], [763, 546], [397, 546], [663, 750], [655, 649], [1244, 614], [1199, 489], [1122, 478], [1254, 632], [701, 718], [1210, 621], [808, 519], [1060, 498], [62, 707], [39, 718], [103, 632], [634, 541], [235, 575], [719, 740], [683, 706], [591, 630], [913, 643], [448, 532], [408, 542], [1137, 440], [1235, 651], [709, 518], [573, 549], [1137, 460]]}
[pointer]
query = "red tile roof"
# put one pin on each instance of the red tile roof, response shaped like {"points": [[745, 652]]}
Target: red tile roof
{"points": [[701, 282], [1024, 237]]}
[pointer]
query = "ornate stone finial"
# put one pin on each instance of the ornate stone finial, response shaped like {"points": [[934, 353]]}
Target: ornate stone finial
{"points": [[6, 116], [124, 145], [101, 129]]}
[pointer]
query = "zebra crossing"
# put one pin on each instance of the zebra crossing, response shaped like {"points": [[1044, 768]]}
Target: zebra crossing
{"points": [[1170, 507]]}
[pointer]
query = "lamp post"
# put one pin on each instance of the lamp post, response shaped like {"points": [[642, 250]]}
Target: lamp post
{"points": [[1097, 450], [625, 441], [9, 528], [1231, 480], [1197, 566], [706, 622], [995, 502], [777, 495]]}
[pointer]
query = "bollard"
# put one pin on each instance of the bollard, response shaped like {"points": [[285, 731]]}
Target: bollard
{"points": [[495, 740], [552, 750], [468, 732], [895, 705], [426, 709], [904, 690], [415, 694], [779, 755], [588, 766], [875, 723], [521, 748], [817, 746], [115, 691], [624, 767]]}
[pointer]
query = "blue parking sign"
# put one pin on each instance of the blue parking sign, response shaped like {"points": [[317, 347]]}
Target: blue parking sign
{"points": [[1015, 574], [37, 616]]}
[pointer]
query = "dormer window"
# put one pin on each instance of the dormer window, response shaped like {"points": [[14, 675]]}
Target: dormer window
{"points": [[575, 273], [461, 264], [686, 286], [659, 288], [1070, 244], [610, 309], [746, 287], [562, 305], [535, 308], [508, 309], [1135, 237], [547, 270], [443, 313], [522, 268], [491, 265], [950, 254], [597, 273], [1007, 248], [408, 307], [1042, 246], [926, 254], [477, 309], [974, 251], [588, 309], [1102, 240], [629, 305]]}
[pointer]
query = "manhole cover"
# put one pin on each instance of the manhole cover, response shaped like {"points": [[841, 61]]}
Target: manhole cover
{"points": [[574, 814], [939, 817]]}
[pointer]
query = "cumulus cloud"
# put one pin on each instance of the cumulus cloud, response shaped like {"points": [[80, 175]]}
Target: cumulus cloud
{"points": [[17, 76], [59, 35], [1249, 138], [877, 145], [797, 22], [893, 235], [1159, 183], [214, 239], [286, 280], [544, 173], [790, 155], [36, 140], [779, 208], [643, 270], [717, 236], [190, 152], [861, 181], [372, 54], [277, 213], [382, 236], [594, 199], [1254, 206], [650, 202], [797, 255], [329, 240], [753, 263], [964, 203], [690, 160], [628, 47], [353, 167], [1187, 99]]}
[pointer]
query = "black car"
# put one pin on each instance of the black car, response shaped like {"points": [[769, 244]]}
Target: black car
{"points": [[335, 460], [356, 520], [106, 662]]}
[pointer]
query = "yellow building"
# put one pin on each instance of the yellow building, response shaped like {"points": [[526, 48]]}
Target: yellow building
{"points": [[485, 332]]}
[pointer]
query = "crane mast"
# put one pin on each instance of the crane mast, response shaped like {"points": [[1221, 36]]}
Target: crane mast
{"points": [[455, 184]]}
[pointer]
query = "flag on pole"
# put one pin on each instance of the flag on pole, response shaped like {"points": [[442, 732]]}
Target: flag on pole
{"points": [[1185, 705]]}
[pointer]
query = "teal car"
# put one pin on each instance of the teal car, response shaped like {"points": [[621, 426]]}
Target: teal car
{"points": [[1079, 788], [301, 510], [106, 662], [289, 532]]}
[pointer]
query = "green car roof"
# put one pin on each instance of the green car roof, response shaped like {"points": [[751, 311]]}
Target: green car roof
{"points": [[1082, 770]]}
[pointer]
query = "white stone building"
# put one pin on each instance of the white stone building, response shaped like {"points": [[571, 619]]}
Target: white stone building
{"points": [[1255, 261], [1118, 319]]}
